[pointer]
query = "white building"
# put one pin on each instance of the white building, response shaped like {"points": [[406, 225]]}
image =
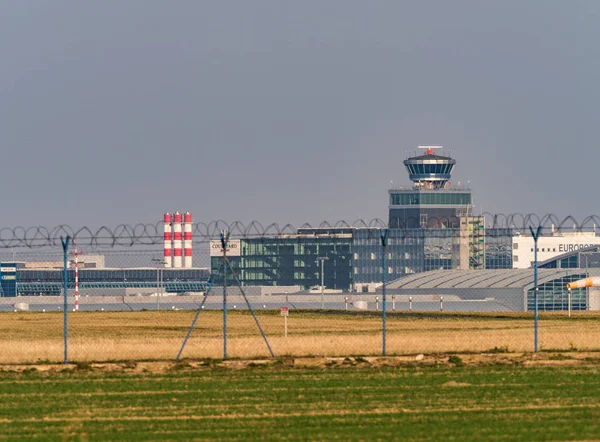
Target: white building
{"points": [[549, 246]]}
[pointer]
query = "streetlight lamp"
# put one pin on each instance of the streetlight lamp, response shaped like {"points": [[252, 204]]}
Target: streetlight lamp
{"points": [[322, 259]]}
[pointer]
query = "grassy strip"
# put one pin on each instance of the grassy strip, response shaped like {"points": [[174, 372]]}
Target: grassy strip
{"points": [[425, 403]]}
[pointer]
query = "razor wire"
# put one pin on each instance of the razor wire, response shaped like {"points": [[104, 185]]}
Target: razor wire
{"points": [[126, 235]]}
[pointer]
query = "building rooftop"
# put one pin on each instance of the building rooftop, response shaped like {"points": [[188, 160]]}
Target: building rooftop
{"points": [[478, 279]]}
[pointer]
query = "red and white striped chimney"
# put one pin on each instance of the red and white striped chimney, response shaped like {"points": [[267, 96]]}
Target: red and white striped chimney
{"points": [[168, 240], [177, 240], [187, 240]]}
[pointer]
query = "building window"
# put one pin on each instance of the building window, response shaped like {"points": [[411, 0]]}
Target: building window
{"points": [[372, 255], [515, 258], [355, 256], [516, 246]]}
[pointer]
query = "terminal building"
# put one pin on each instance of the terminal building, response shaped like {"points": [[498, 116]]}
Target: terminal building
{"points": [[550, 246], [431, 226], [37, 278], [436, 246]]}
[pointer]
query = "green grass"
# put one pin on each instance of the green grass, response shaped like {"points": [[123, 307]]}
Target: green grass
{"points": [[278, 402]]}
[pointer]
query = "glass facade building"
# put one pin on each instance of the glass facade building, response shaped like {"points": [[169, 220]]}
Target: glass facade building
{"points": [[292, 260], [498, 248], [50, 282], [553, 295], [354, 255]]}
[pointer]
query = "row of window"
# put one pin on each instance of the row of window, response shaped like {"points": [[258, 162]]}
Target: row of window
{"points": [[422, 169], [437, 198], [113, 275]]}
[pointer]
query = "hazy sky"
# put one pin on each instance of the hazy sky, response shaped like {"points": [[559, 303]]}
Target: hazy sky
{"points": [[116, 111]]}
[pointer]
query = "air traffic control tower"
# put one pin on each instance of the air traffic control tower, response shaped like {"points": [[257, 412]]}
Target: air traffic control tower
{"points": [[431, 202]]}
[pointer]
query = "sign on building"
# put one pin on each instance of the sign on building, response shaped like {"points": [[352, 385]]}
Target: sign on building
{"points": [[8, 280], [233, 247]]}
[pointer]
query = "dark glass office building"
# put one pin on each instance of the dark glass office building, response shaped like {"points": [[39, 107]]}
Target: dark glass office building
{"points": [[292, 260]]}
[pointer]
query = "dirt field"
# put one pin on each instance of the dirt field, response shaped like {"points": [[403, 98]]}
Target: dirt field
{"points": [[28, 337]]}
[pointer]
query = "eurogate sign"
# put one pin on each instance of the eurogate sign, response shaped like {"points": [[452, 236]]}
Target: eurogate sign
{"points": [[564, 248]]}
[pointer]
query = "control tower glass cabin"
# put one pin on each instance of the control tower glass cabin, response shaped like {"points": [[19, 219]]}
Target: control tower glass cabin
{"points": [[431, 201]]}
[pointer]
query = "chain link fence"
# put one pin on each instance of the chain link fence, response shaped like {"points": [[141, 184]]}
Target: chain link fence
{"points": [[307, 291]]}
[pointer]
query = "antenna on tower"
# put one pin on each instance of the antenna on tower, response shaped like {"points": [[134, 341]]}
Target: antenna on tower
{"points": [[430, 149]]}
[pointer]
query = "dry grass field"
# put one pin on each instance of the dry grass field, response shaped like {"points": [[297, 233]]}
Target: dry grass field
{"points": [[29, 337]]}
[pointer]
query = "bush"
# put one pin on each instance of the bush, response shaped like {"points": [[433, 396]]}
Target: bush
{"points": [[456, 360]]}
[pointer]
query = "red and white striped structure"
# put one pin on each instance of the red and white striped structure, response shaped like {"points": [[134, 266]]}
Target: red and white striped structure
{"points": [[76, 281], [168, 241], [187, 240], [177, 252], [584, 283]]}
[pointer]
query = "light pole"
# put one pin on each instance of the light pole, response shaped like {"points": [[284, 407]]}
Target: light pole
{"points": [[159, 278], [322, 259]]}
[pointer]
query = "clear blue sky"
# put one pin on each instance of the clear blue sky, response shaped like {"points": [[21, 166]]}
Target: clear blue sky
{"points": [[292, 111]]}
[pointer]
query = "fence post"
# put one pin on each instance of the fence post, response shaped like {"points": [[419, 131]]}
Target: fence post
{"points": [[224, 241], [65, 246], [384, 235], [535, 236]]}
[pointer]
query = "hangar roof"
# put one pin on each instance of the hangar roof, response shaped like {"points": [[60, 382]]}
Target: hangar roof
{"points": [[484, 279]]}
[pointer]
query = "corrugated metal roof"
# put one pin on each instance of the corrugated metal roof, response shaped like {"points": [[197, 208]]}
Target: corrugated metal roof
{"points": [[466, 279]]}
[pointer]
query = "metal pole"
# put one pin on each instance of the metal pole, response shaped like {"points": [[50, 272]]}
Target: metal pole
{"points": [[65, 245], [200, 308], [322, 281], [535, 235], [569, 301], [237, 280], [410, 303], [384, 270], [157, 286], [224, 240]]}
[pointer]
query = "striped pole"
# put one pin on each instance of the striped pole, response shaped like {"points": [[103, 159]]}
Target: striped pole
{"points": [[187, 240], [168, 240], [76, 281], [177, 240]]}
